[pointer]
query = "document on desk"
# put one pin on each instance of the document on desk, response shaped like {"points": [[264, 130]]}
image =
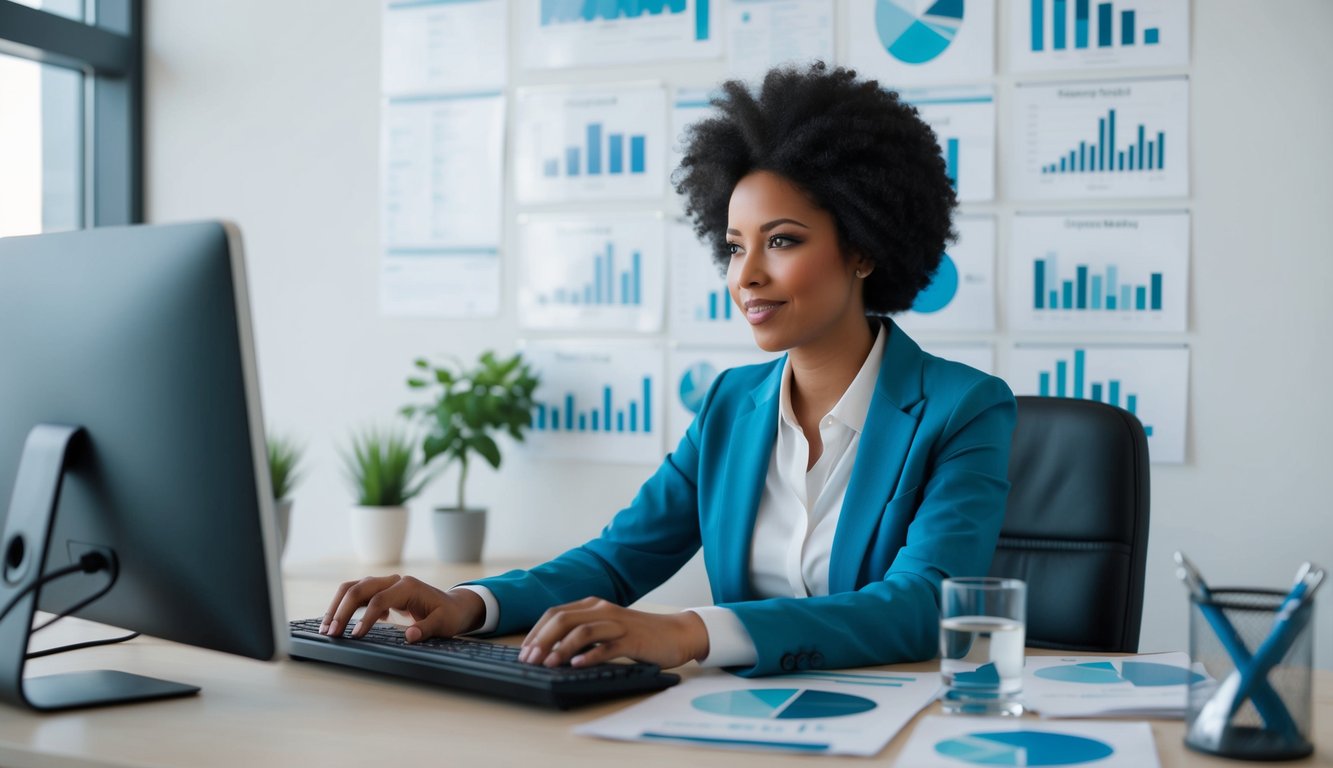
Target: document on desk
{"points": [[1154, 685], [953, 741], [844, 712]]}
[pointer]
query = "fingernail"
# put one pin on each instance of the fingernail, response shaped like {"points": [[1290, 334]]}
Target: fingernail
{"points": [[355, 628]]}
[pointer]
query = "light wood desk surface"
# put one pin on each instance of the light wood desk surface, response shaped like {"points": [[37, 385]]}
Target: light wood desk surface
{"points": [[252, 714]]}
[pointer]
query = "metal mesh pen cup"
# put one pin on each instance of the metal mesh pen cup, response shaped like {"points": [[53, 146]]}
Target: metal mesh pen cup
{"points": [[1255, 700]]}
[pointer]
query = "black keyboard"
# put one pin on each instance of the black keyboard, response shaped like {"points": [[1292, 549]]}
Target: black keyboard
{"points": [[475, 665]]}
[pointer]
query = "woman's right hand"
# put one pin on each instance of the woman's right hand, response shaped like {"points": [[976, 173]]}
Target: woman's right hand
{"points": [[434, 612]]}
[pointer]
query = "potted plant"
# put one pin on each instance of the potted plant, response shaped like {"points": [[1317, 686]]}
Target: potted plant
{"points": [[284, 459], [385, 474], [469, 406]]}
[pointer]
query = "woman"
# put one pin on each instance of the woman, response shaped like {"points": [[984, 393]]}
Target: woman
{"points": [[831, 490]]}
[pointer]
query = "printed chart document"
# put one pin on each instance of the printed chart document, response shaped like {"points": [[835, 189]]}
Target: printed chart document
{"points": [[846, 712], [952, 741], [1155, 685]]}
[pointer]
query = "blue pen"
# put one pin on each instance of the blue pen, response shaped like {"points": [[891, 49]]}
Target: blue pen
{"points": [[1286, 628]]}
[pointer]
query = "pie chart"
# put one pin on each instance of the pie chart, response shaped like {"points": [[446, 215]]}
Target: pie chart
{"points": [[1140, 674], [1024, 748], [782, 704], [943, 287], [694, 385], [915, 37]]}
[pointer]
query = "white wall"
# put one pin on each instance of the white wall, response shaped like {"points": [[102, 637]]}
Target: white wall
{"points": [[267, 113]]}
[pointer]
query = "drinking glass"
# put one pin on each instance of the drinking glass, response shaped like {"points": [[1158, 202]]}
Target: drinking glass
{"points": [[982, 634]]}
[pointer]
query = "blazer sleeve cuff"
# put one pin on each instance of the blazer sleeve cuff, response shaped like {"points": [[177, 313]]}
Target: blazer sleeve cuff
{"points": [[492, 619], [729, 643]]}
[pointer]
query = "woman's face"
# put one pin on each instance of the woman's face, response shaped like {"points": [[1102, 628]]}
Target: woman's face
{"points": [[787, 273]]}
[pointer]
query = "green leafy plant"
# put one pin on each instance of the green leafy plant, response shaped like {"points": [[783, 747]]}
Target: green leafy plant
{"points": [[383, 468], [469, 406], [284, 460]]}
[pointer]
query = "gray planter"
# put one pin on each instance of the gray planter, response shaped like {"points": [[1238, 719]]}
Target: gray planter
{"points": [[459, 534], [282, 513]]}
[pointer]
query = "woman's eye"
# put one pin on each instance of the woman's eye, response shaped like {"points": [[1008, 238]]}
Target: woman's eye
{"points": [[780, 241], [733, 248]]}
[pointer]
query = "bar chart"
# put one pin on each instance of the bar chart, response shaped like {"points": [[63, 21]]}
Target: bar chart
{"points": [[963, 119], [1114, 271], [1148, 381], [701, 308], [567, 33], [1048, 34], [597, 401], [592, 272], [961, 295], [581, 144], [1101, 139]]}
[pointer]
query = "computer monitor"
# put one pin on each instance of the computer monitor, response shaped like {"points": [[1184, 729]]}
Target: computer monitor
{"points": [[131, 441]]}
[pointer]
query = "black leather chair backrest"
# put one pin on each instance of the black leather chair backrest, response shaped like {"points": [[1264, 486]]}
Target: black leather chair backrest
{"points": [[1076, 525]]}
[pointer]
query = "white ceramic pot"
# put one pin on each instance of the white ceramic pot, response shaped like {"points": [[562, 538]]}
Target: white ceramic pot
{"points": [[378, 534], [459, 534], [282, 515]]}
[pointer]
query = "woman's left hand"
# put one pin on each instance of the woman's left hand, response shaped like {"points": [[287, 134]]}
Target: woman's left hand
{"points": [[592, 631]]}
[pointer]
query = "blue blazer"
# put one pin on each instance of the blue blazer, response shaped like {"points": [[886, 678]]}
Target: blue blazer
{"points": [[924, 502]]}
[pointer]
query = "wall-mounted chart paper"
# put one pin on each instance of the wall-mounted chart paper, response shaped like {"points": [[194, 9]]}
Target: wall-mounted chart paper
{"points": [[597, 401], [961, 297], [979, 356], [956, 742], [844, 712], [687, 107], [701, 308], [690, 371], [580, 33], [921, 42], [444, 47], [592, 272], [451, 284], [964, 122], [1099, 272], [590, 144], [1123, 138], [442, 173], [1047, 35], [766, 33], [1150, 382]]}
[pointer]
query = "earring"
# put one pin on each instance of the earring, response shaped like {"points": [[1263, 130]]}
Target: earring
{"points": [[860, 274]]}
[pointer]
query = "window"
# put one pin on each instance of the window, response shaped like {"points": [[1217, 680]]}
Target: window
{"points": [[70, 114]]}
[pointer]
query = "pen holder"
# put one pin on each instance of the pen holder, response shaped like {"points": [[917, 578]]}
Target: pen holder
{"points": [[1255, 700]]}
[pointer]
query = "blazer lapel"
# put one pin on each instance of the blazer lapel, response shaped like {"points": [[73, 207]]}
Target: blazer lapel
{"points": [[749, 449], [890, 428]]}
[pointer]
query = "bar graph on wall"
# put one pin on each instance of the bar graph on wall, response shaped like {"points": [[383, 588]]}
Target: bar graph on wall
{"points": [[1149, 382], [597, 401], [589, 144], [1101, 139], [1051, 34], [701, 308], [964, 122], [1114, 271], [592, 272], [566, 33]]}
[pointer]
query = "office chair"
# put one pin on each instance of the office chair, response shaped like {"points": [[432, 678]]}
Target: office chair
{"points": [[1076, 525]]}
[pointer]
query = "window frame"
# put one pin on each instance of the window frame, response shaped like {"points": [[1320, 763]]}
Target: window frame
{"points": [[108, 50]]}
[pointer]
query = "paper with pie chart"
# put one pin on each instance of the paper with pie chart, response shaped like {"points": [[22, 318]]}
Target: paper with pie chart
{"points": [[830, 712], [690, 372], [1153, 685], [958, 742], [961, 296], [921, 42]]}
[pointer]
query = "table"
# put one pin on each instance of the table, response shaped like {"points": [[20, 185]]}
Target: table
{"points": [[253, 714]]}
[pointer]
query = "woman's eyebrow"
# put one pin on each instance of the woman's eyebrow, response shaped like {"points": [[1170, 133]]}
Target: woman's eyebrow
{"points": [[769, 225]]}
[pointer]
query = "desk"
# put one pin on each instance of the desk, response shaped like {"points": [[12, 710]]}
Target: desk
{"points": [[252, 714]]}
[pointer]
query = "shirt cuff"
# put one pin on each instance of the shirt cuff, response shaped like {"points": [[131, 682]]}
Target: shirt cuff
{"points": [[492, 618], [729, 643]]}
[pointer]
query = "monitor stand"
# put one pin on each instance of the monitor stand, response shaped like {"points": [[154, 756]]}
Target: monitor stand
{"points": [[27, 534]]}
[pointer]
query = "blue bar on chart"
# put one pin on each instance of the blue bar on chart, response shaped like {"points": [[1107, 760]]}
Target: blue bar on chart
{"points": [[1056, 384], [719, 307], [1092, 292], [1141, 154], [951, 161], [1105, 36], [570, 415], [602, 289], [595, 155], [567, 11]]}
